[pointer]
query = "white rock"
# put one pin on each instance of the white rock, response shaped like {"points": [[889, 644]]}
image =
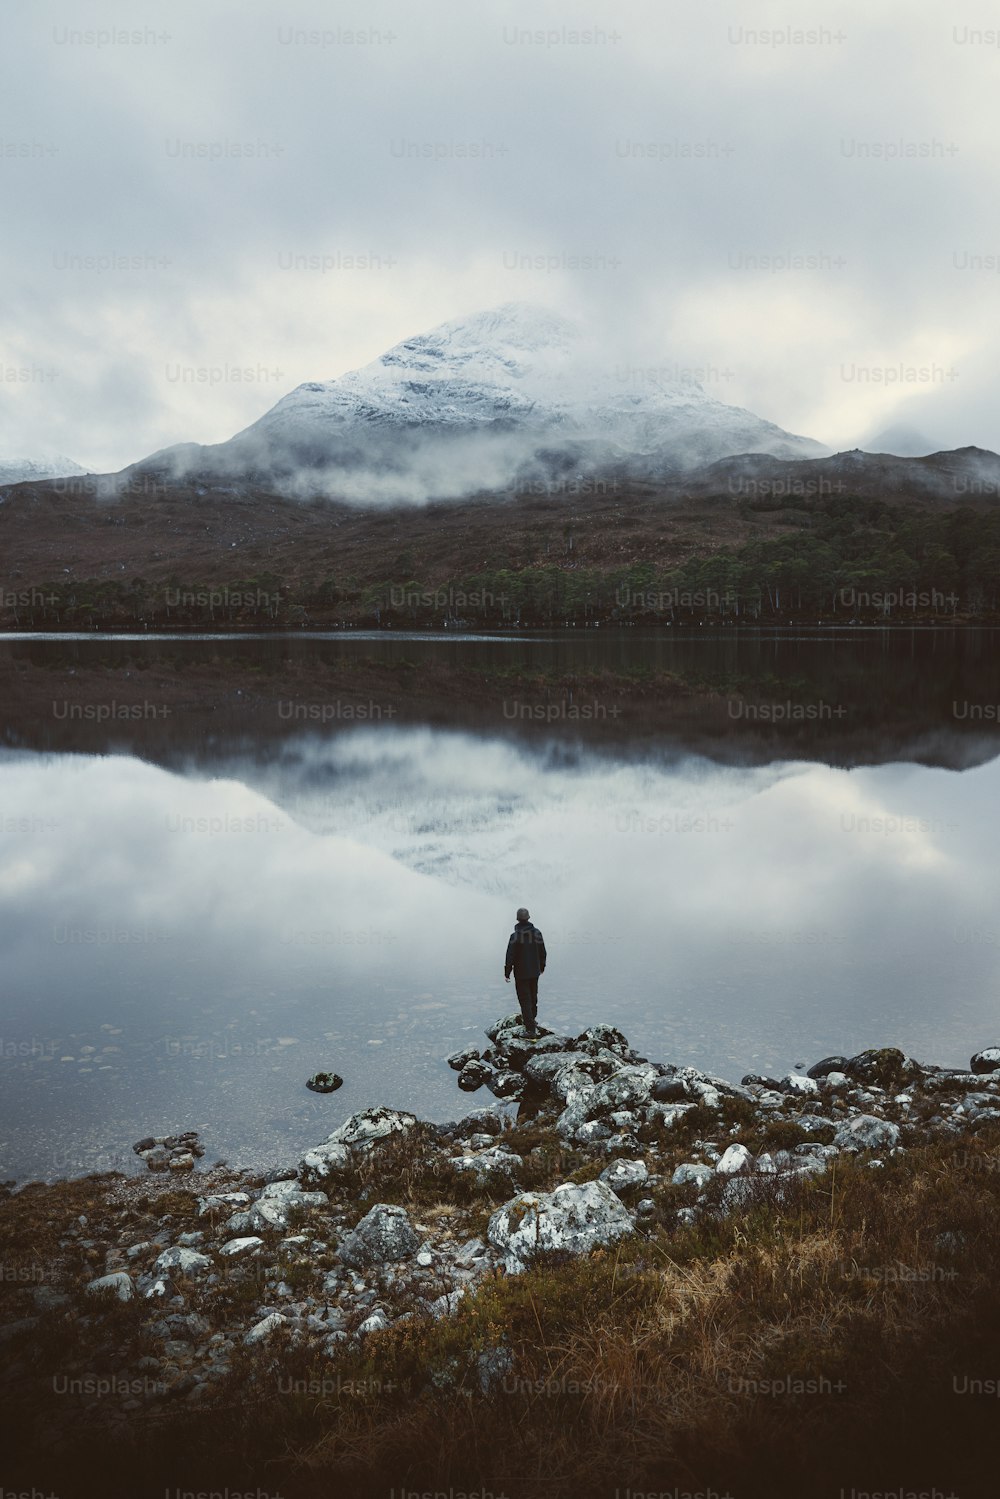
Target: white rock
{"points": [[575, 1218], [736, 1158], [803, 1087], [184, 1261], [248, 1245], [497, 1158], [264, 1328]]}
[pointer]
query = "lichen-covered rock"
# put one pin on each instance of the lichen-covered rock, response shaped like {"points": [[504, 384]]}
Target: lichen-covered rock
{"points": [[506, 1084], [183, 1261], [692, 1171], [458, 1059], [360, 1133], [118, 1284], [622, 1175], [264, 1329], [496, 1159], [324, 1082], [802, 1087], [883, 1067], [987, 1060], [473, 1075], [670, 1089], [867, 1132], [605, 1037], [383, 1237], [574, 1219], [235, 1248]]}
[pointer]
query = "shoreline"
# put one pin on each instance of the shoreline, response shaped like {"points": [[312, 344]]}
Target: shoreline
{"points": [[397, 1247], [529, 633]]}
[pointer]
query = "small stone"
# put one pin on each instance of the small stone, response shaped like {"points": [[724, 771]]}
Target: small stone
{"points": [[237, 1247], [458, 1059], [118, 1284], [264, 1328]]}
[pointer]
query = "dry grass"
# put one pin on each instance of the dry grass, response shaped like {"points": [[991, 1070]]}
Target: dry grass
{"points": [[647, 1366]]}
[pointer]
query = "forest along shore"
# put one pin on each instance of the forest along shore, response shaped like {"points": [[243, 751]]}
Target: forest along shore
{"points": [[401, 1245]]}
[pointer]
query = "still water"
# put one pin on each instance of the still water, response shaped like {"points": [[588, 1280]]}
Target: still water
{"points": [[188, 935]]}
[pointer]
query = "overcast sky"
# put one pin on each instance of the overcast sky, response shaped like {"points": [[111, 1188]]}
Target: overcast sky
{"points": [[756, 145]]}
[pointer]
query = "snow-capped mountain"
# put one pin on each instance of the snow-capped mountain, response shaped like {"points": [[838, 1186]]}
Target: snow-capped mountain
{"points": [[20, 470], [485, 402]]}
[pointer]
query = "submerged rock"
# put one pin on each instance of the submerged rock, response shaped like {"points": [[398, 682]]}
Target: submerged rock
{"points": [[325, 1082], [170, 1152]]}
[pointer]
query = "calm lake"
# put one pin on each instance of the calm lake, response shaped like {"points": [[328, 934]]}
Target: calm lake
{"points": [[194, 919]]}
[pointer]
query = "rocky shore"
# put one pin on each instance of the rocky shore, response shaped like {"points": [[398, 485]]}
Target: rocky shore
{"points": [[394, 1221]]}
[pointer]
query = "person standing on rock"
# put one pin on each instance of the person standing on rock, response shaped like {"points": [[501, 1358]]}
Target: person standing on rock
{"points": [[526, 960]]}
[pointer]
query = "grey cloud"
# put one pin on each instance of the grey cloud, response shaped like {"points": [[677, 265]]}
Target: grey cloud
{"points": [[557, 122]]}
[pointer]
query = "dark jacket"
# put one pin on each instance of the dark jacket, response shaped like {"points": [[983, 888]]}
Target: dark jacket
{"points": [[525, 952]]}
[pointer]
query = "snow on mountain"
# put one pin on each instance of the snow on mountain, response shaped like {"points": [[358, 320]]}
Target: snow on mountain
{"points": [[19, 470], [500, 398]]}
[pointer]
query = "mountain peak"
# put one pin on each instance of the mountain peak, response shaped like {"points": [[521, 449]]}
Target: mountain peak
{"points": [[499, 397]]}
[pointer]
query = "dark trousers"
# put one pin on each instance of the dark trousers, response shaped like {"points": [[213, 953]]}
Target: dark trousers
{"points": [[527, 998]]}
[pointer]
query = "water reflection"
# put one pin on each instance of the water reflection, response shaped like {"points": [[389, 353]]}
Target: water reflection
{"points": [[183, 950]]}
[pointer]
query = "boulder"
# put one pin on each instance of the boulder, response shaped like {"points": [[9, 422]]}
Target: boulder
{"points": [[692, 1171], [605, 1038], [473, 1075], [671, 1089], [182, 1261], [802, 1087], [497, 1159], [735, 1159], [235, 1248], [383, 1237], [622, 1175], [883, 1067], [866, 1132], [506, 1084], [117, 1284], [828, 1065], [370, 1126], [316, 1165], [360, 1133], [987, 1060], [574, 1219]]}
